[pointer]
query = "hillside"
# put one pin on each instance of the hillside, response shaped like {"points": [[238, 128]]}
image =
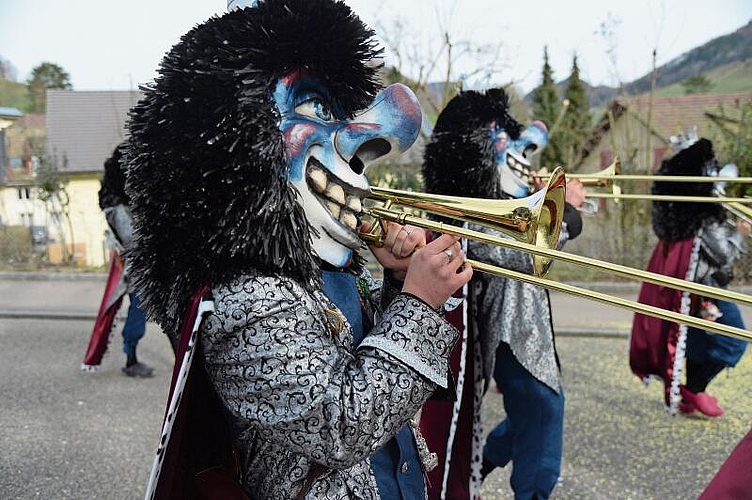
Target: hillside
{"points": [[726, 50], [13, 95], [726, 61]]}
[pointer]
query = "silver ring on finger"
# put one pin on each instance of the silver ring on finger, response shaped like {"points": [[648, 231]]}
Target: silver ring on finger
{"points": [[407, 230], [449, 254]]}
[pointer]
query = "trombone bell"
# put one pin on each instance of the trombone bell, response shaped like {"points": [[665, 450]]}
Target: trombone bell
{"points": [[535, 219]]}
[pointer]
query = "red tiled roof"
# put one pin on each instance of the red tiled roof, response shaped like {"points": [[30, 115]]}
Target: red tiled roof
{"points": [[673, 114], [669, 115]]}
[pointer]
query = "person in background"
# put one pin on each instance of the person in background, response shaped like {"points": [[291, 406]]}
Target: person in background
{"points": [[477, 149], [696, 242], [114, 203]]}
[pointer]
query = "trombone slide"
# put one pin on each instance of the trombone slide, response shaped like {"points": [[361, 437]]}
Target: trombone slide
{"points": [[648, 310]]}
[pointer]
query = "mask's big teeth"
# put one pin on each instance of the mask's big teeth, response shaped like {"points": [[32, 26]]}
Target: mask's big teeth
{"points": [[318, 179], [349, 219], [333, 208], [336, 193], [354, 204]]}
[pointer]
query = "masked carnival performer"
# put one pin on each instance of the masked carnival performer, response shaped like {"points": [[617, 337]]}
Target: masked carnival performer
{"points": [[477, 149], [696, 243], [246, 171], [114, 203]]}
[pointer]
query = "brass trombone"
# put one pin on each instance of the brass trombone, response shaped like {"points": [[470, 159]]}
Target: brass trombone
{"points": [[611, 174], [535, 220], [532, 226]]}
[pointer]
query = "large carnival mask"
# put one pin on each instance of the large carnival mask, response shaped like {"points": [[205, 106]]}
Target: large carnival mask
{"points": [[513, 156], [328, 154]]}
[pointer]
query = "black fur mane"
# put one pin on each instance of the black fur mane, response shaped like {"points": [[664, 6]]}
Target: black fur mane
{"points": [[675, 221], [206, 163], [460, 159]]}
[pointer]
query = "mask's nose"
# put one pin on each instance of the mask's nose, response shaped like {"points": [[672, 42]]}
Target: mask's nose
{"points": [[533, 139], [387, 128]]}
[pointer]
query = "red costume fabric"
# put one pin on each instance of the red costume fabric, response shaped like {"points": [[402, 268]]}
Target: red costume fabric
{"points": [[195, 458], [447, 425], [452, 429], [108, 308], [733, 480], [654, 342]]}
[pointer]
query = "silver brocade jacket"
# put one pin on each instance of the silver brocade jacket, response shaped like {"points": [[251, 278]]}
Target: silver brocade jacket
{"points": [[282, 360], [513, 312], [721, 245]]}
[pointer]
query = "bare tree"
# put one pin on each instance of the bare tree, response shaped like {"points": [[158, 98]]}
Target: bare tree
{"points": [[52, 189], [435, 60]]}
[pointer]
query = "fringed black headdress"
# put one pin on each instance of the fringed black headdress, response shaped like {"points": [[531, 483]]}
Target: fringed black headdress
{"points": [[674, 221], [112, 191], [460, 159], [206, 161]]}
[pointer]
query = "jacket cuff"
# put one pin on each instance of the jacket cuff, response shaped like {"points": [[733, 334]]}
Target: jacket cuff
{"points": [[416, 335]]}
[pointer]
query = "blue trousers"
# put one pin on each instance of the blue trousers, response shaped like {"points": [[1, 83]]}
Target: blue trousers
{"points": [[135, 326], [531, 435], [708, 354]]}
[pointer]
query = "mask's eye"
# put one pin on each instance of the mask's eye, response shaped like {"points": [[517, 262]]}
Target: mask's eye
{"points": [[315, 108]]}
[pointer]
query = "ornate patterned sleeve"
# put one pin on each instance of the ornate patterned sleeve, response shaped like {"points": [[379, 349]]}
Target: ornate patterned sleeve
{"points": [[287, 375], [722, 246], [722, 243]]}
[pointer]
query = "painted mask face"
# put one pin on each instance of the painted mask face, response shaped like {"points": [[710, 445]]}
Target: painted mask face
{"points": [[513, 156], [328, 154]]}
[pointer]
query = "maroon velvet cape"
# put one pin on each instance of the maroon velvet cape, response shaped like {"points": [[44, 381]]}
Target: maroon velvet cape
{"points": [[113, 295], [450, 427], [733, 480], [653, 342]]}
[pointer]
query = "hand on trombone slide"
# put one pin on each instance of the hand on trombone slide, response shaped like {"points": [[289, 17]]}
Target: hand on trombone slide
{"points": [[744, 227], [576, 193]]}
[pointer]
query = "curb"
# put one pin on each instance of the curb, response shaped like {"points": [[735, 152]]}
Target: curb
{"points": [[30, 276], [56, 315], [607, 333]]}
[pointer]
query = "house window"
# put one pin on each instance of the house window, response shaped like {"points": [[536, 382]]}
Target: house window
{"points": [[24, 193], [27, 219]]}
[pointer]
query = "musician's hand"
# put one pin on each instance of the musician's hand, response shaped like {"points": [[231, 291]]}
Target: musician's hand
{"points": [[437, 270], [399, 245], [576, 193], [743, 227]]}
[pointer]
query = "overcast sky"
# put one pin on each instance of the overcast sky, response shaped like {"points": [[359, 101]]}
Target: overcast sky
{"points": [[118, 45]]}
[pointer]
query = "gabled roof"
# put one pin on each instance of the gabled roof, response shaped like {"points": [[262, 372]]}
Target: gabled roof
{"points": [[85, 126]]}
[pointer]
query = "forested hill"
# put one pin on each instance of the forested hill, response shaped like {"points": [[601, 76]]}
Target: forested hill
{"points": [[721, 51], [727, 54]]}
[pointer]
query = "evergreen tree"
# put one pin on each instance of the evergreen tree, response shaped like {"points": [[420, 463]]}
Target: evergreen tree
{"points": [[576, 121], [546, 105]]}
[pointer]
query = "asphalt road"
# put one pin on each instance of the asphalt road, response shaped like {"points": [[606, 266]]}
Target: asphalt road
{"points": [[72, 435]]}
